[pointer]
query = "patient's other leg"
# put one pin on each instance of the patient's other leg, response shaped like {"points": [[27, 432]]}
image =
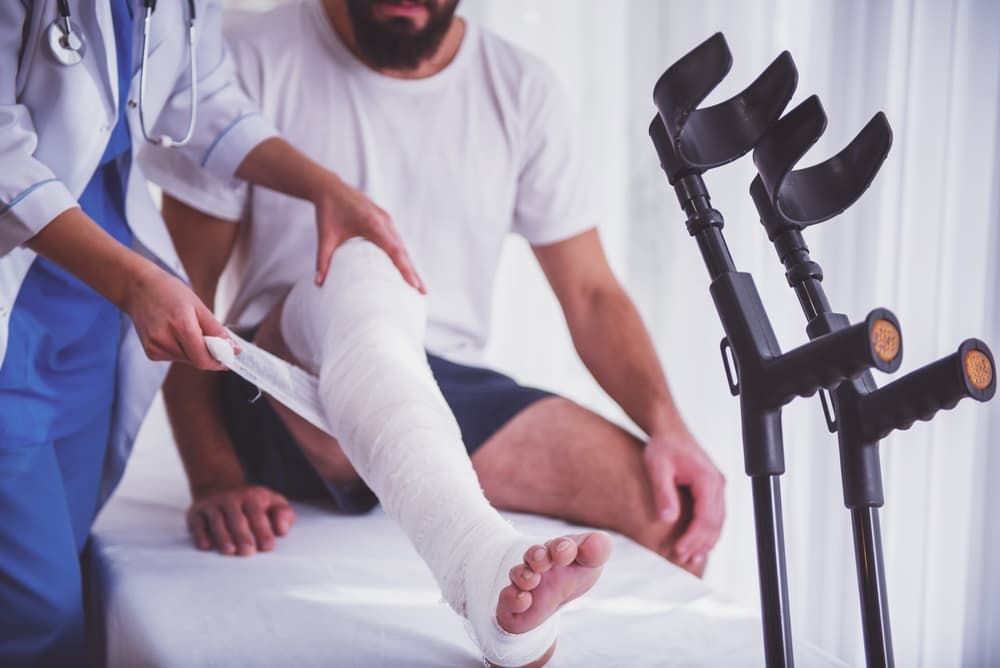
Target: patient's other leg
{"points": [[363, 331], [559, 459]]}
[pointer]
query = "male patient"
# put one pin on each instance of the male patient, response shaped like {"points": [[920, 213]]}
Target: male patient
{"points": [[462, 138]]}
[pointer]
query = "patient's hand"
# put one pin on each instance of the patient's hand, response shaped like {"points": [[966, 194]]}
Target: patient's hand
{"points": [[239, 520], [675, 459]]}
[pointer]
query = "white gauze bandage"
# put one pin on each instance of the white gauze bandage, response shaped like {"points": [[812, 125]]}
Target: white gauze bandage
{"points": [[363, 332]]}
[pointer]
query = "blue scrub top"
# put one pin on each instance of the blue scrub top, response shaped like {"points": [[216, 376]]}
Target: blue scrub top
{"points": [[60, 366]]}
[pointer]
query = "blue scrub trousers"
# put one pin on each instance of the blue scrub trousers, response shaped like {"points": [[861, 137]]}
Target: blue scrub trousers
{"points": [[57, 389]]}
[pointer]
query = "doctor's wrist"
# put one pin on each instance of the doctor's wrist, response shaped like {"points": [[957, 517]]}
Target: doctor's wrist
{"points": [[321, 184], [138, 275]]}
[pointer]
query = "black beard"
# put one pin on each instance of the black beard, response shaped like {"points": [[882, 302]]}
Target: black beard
{"points": [[394, 44]]}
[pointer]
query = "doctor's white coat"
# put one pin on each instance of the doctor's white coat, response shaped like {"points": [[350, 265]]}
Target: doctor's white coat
{"points": [[54, 125]]}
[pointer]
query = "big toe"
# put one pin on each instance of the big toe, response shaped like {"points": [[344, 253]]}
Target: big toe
{"points": [[593, 549]]}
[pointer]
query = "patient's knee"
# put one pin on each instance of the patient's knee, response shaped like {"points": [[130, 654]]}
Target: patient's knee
{"points": [[363, 297]]}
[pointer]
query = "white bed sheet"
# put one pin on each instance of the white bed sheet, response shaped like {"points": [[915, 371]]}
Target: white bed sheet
{"points": [[350, 591]]}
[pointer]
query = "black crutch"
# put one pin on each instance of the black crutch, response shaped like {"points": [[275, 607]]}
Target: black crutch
{"points": [[689, 142], [789, 200]]}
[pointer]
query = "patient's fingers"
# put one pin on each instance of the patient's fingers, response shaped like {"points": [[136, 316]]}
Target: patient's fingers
{"points": [[260, 524], [239, 528], [708, 490], [219, 531], [282, 516], [198, 530], [239, 520], [662, 480]]}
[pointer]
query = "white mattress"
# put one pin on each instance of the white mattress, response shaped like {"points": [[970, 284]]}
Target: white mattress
{"points": [[350, 591]]}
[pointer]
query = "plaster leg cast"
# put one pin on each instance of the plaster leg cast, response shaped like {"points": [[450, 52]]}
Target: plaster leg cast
{"points": [[363, 332]]}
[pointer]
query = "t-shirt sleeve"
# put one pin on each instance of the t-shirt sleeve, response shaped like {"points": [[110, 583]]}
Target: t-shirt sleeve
{"points": [[182, 179], [552, 196]]}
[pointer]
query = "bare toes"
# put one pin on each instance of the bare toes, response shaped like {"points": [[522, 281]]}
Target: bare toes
{"points": [[562, 551], [514, 601], [593, 549], [537, 559], [524, 578]]}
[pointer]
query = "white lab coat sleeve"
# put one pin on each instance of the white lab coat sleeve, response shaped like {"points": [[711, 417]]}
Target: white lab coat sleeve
{"points": [[229, 125], [30, 194]]}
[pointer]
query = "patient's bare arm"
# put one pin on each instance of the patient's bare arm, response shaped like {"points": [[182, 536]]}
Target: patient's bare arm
{"points": [[615, 346], [226, 513]]}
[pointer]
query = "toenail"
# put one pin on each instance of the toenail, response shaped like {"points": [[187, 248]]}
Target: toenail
{"points": [[527, 575], [538, 554], [563, 545], [521, 595]]}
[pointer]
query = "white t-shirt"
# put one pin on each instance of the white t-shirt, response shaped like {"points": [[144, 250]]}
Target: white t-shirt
{"points": [[459, 160]]}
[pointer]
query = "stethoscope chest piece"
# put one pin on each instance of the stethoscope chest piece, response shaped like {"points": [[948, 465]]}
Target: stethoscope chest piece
{"points": [[67, 46]]}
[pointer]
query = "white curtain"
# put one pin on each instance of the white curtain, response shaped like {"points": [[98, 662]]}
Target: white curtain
{"points": [[924, 242]]}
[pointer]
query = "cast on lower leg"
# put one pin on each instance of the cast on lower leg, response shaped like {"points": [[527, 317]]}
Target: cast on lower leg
{"points": [[363, 331]]}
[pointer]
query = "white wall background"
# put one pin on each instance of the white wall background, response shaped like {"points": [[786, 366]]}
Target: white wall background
{"points": [[923, 242]]}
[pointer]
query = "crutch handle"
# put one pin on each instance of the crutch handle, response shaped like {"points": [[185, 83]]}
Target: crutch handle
{"points": [[968, 372], [844, 354]]}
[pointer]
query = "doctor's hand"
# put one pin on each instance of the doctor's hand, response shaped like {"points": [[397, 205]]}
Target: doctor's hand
{"points": [[342, 211], [239, 521], [169, 319], [674, 459]]}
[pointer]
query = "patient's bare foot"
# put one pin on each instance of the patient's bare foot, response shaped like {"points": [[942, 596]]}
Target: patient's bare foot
{"points": [[552, 575]]}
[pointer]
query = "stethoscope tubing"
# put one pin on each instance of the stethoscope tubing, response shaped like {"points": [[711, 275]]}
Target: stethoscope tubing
{"points": [[66, 43], [167, 140]]}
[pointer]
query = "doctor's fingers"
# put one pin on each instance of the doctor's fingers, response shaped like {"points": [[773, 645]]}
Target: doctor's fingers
{"points": [[189, 336], [375, 225], [390, 241]]}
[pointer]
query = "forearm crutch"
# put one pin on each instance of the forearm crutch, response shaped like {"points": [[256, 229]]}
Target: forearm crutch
{"points": [[788, 201], [689, 142]]}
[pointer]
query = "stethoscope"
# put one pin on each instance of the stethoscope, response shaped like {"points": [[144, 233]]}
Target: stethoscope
{"points": [[68, 47]]}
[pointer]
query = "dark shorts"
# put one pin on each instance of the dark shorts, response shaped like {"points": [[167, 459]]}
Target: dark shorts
{"points": [[482, 401]]}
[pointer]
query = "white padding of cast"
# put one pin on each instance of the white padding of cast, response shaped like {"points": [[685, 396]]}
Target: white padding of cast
{"points": [[363, 332]]}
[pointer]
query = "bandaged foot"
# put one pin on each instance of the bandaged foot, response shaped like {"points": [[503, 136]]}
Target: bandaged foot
{"points": [[549, 576], [363, 333]]}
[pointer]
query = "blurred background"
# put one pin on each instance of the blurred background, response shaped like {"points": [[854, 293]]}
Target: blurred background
{"points": [[923, 242]]}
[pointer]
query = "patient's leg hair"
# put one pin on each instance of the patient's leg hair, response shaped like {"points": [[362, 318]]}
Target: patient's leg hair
{"points": [[363, 332]]}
